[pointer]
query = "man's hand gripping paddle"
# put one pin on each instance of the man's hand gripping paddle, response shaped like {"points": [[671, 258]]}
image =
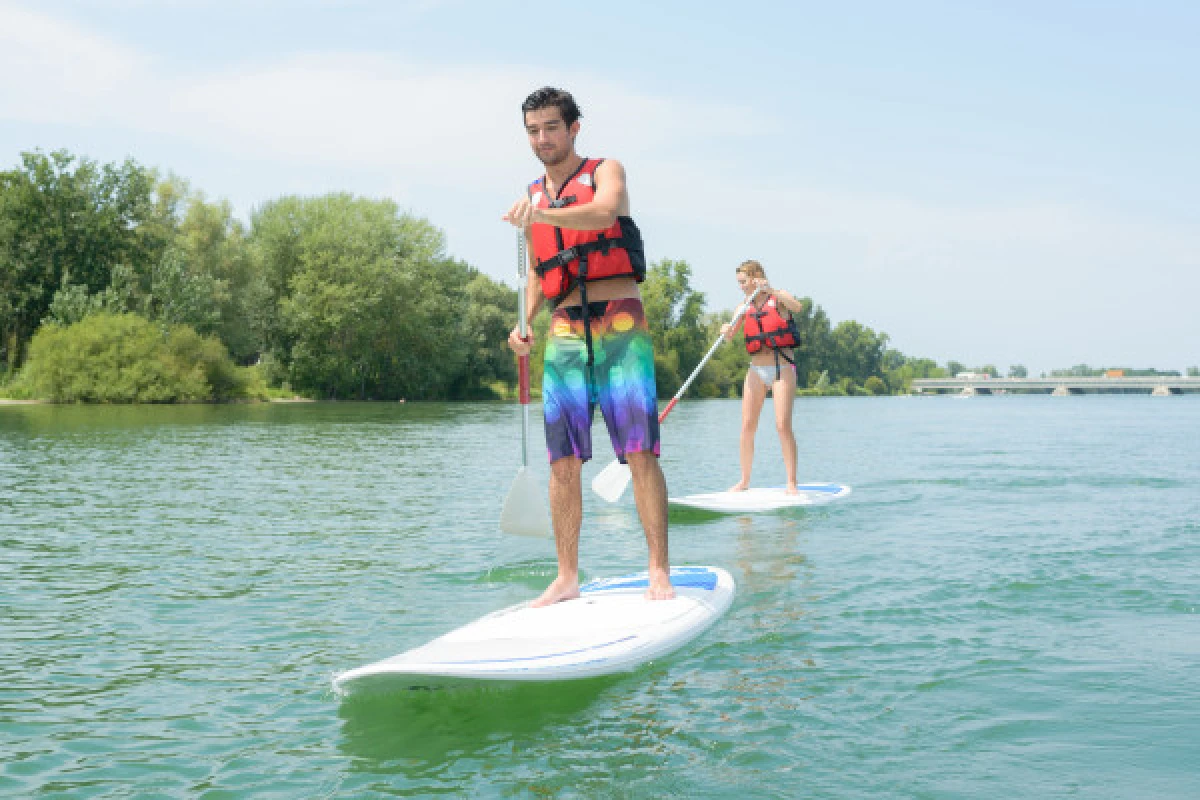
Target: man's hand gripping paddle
{"points": [[524, 511], [611, 481]]}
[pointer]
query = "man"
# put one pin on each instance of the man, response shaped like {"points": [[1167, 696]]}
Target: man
{"points": [[587, 260]]}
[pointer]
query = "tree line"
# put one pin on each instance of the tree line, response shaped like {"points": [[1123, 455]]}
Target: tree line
{"points": [[120, 284]]}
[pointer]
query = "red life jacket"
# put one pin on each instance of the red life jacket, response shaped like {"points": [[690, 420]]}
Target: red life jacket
{"points": [[766, 327], [564, 257]]}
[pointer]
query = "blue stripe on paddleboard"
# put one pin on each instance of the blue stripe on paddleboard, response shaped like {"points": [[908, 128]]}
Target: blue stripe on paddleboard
{"points": [[537, 658], [830, 488], [683, 579]]}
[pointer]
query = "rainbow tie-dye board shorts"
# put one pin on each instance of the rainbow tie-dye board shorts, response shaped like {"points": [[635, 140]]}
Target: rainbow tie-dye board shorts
{"points": [[624, 380]]}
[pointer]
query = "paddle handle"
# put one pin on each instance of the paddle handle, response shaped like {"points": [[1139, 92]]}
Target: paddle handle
{"points": [[736, 316], [522, 280], [522, 323]]}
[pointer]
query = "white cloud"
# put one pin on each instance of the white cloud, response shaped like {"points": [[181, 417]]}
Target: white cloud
{"points": [[53, 71]]}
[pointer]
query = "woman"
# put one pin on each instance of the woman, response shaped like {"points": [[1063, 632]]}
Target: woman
{"points": [[771, 334]]}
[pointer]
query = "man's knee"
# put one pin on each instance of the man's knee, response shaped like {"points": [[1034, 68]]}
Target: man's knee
{"points": [[566, 468], [641, 461]]}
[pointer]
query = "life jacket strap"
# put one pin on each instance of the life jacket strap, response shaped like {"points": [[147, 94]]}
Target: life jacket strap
{"points": [[577, 253]]}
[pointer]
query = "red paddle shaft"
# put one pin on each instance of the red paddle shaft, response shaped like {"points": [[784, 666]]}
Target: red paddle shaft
{"points": [[523, 377]]}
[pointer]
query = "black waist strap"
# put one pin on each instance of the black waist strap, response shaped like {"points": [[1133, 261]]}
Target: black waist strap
{"points": [[597, 308], [580, 251], [778, 367]]}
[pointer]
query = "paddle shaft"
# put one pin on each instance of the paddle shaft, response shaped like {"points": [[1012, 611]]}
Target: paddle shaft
{"points": [[736, 316], [523, 330]]}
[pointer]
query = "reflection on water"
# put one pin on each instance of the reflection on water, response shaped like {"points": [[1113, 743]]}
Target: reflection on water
{"points": [[427, 731]]}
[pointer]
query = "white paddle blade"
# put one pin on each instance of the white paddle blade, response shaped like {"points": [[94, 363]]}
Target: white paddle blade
{"points": [[524, 511], [611, 481]]}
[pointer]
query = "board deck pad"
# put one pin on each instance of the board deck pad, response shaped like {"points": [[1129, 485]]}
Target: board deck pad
{"points": [[610, 628], [762, 500]]}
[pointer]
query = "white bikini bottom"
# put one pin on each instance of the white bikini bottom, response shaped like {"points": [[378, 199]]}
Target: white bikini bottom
{"points": [[766, 372]]}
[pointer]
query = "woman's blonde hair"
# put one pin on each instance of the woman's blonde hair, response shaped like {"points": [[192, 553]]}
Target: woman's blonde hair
{"points": [[751, 269]]}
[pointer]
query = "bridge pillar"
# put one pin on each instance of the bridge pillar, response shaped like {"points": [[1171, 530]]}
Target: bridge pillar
{"points": [[1060, 391]]}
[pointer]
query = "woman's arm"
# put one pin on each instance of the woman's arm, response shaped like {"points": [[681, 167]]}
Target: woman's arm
{"points": [[786, 298]]}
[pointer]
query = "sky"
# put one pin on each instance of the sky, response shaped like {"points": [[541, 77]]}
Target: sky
{"points": [[1000, 183]]}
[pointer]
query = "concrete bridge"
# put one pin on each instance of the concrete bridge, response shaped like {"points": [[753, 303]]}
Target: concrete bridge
{"points": [[1154, 385]]}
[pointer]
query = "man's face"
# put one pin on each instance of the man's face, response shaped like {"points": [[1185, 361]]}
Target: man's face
{"points": [[552, 140]]}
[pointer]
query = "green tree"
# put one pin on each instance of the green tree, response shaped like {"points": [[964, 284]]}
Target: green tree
{"points": [[815, 353], [875, 385], [490, 311], [207, 277], [674, 314], [361, 301], [66, 222], [1018, 371], [899, 378], [858, 351]]}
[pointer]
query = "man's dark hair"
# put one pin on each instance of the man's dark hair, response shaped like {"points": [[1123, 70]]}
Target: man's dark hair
{"points": [[548, 96]]}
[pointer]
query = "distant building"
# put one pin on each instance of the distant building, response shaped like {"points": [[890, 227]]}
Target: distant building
{"points": [[1114, 373], [972, 376]]}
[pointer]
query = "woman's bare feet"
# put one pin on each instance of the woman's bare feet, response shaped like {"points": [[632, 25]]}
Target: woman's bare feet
{"points": [[562, 589], [660, 585], [740, 486], [791, 489]]}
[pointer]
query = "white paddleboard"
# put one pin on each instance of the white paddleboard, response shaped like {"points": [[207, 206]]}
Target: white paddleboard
{"points": [[610, 628], [754, 501]]}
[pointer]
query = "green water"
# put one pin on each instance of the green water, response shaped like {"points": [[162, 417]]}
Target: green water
{"points": [[1006, 606]]}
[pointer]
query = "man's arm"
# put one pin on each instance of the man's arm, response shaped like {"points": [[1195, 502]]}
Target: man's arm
{"points": [[610, 201]]}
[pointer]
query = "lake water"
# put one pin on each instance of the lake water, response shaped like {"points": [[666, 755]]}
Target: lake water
{"points": [[1006, 606]]}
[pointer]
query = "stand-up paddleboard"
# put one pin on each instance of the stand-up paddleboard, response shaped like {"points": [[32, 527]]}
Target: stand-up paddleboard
{"points": [[753, 501], [610, 628]]}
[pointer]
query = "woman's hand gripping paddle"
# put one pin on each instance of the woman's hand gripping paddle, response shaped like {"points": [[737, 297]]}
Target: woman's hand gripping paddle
{"points": [[611, 481], [524, 511]]}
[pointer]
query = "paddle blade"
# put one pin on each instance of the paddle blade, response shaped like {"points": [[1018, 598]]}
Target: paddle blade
{"points": [[524, 511], [611, 481]]}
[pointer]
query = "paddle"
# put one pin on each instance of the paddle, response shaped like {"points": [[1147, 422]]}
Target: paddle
{"points": [[611, 481], [524, 511]]}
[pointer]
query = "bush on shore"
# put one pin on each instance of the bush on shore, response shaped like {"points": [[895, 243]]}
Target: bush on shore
{"points": [[125, 358]]}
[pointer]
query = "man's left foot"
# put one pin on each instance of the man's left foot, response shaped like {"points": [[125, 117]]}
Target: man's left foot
{"points": [[660, 586], [561, 589]]}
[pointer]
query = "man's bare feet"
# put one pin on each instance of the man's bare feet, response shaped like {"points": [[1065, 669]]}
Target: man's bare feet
{"points": [[740, 486], [660, 586], [561, 589]]}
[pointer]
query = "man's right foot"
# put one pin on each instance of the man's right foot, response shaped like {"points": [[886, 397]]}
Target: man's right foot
{"points": [[561, 589]]}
